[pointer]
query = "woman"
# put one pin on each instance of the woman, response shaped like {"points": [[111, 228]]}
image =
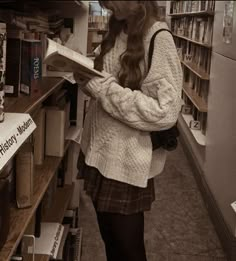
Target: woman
{"points": [[116, 157]]}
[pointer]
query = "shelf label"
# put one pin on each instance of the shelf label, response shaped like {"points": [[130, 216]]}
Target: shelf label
{"points": [[195, 125], [186, 109], [188, 58], [16, 128]]}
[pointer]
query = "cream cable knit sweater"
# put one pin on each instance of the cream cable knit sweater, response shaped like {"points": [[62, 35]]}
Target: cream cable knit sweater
{"points": [[116, 136]]}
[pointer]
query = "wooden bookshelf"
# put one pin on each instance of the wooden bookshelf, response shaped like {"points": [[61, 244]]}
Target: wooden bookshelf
{"points": [[20, 218], [187, 24], [62, 199], [199, 13], [199, 103], [196, 70], [56, 214], [193, 41], [26, 104]]}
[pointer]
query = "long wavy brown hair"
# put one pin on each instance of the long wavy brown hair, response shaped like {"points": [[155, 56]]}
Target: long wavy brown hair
{"points": [[130, 74]]}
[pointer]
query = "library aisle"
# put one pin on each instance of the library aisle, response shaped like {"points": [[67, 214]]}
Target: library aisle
{"points": [[178, 227]]}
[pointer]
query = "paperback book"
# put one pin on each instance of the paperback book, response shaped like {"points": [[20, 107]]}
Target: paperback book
{"points": [[49, 241]]}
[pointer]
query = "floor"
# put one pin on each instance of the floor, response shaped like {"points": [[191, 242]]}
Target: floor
{"points": [[177, 228]]}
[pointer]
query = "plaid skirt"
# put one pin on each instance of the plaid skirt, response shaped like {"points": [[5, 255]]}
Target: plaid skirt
{"points": [[113, 196]]}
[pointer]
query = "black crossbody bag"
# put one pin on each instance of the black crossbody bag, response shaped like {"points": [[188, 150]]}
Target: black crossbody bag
{"points": [[166, 139]]}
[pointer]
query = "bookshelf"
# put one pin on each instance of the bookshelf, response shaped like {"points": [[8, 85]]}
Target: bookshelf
{"points": [[196, 13], [20, 218], [44, 174], [191, 23], [98, 25], [62, 198], [195, 69], [193, 41], [197, 101], [27, 104]]}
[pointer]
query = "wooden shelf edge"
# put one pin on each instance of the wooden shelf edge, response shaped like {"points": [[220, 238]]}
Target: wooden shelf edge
{"points": [[199, 103], [200, 73], [91, 29], [36, 258], [20, 218], [193, 41], [62, 199], [26, 104], [200, 13], [197, 134]]}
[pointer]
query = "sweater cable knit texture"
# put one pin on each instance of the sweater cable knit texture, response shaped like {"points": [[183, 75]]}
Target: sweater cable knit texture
{"points": [[116, 138]]}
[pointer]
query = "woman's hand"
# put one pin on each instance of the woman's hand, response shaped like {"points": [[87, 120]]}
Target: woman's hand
{"points": [[82, 78], [85, 79]]}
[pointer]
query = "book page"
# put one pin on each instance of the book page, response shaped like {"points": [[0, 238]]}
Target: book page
{"points": [[67, 60]]}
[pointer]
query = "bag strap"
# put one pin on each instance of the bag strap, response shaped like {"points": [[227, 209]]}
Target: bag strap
{"points": [[151, 46]]}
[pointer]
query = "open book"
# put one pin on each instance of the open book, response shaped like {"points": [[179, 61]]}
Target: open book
{"points": [[66, 60]]}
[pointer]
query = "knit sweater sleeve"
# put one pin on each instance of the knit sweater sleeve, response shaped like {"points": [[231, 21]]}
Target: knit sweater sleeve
{"points": [[156, 106]]}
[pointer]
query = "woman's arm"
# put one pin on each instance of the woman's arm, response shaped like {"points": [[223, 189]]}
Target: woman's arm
{"points": [[157, 106]]}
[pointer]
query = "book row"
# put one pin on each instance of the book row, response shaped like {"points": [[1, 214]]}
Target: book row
{"points": [[21, 65], [197, 56], [98, 22], [191, 6], [200, 87], [48, 21], [196, 28]]}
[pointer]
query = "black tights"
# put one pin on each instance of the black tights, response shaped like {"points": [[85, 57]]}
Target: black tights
{"points": [[123, 236]]}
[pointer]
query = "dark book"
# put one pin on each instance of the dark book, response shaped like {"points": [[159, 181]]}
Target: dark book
{"points": [[13, 64], [5, 211], [38, 219], [8, 173], [76, 243], [3, 43], [31, 66]]}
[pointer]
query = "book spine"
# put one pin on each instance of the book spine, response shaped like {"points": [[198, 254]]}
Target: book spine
{"points": [[25, 68], [24, 175], [36, 66], [13, 66], [3, 43], [39, 137], [1, 103], [31, 69]]}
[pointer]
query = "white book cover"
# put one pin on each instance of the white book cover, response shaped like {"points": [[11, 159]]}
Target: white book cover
{"points": [[49, 241], [15, 129]]}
